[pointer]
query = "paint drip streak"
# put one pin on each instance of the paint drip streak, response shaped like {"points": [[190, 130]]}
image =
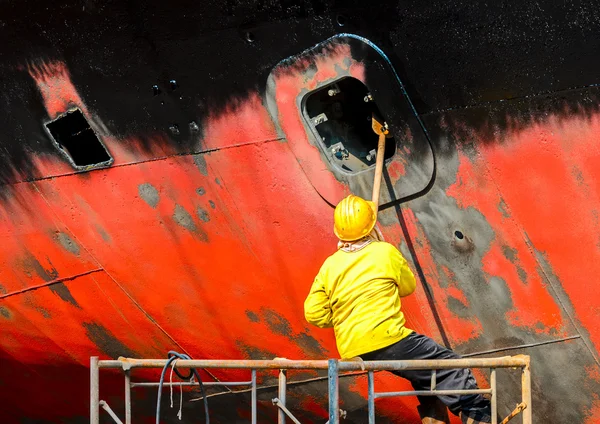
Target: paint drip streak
{"points": [[49, 283]]}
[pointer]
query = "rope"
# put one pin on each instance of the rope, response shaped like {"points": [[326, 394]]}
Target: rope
{"points": [[180, 400], [179, 414], [173, 357], [171, 381]]}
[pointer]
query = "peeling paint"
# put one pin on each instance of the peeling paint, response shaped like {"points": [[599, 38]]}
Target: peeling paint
{"points": [[183, 218], [203, 214], [29, 262], [252, 316], [200, 162], [276, 322], [565, 301], [458, 307], [503, 209], [44, 312], [512, 255], [63, 292], [105, 236], [5, 312], [106, 341], [149, 194], [251, 352], [310, 345], [67, 242]]}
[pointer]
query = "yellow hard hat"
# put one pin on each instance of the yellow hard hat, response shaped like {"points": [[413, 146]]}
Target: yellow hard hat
{"points": [[354, 218]]}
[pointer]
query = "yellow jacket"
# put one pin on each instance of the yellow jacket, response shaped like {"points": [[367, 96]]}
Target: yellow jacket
{"points": [[358, 294]]}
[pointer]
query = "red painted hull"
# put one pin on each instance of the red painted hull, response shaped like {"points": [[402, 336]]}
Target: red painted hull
{"points": [[212, 252]]}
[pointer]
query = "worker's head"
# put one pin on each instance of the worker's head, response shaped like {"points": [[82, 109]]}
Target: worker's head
{"points": [[354, 218]]}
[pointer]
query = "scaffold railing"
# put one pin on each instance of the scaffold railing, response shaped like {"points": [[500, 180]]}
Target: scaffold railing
{"points": [[334, 368]]}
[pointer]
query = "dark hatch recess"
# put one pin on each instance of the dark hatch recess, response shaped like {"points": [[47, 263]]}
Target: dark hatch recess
{"points": [[340, 113], [78, 141]]}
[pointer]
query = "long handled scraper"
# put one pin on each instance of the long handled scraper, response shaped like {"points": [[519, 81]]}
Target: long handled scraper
{"points": [[382, 131]]}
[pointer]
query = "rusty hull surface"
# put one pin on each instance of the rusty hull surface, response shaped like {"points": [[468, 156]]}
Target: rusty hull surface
{"points": [[205, 239]]}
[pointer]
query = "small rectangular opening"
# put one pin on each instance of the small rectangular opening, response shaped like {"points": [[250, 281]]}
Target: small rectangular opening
{"points": [[74, 136], [341, 113]]}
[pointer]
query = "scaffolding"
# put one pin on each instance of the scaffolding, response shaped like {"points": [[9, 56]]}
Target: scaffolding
{"points": [[333, 367]]}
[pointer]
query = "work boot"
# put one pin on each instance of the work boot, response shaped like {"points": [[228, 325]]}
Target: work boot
{"points": [[432, 411]]}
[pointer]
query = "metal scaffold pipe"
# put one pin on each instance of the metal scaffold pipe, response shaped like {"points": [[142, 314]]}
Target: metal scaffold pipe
{"points": [[333, 367]]}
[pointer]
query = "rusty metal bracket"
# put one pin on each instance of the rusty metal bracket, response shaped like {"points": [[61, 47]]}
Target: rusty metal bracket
{"points": [[108, 409], [520, 408], [287, 412], [125, 364]]}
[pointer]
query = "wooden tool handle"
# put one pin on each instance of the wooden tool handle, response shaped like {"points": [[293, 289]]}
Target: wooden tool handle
{"points": [[378, 169]]}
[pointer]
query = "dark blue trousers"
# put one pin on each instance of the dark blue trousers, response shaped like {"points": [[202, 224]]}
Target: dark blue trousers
{"points": [[418, 346]]}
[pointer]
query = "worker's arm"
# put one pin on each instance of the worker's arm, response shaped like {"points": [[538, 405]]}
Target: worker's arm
{"points": [[404, 277], [317, 309]]}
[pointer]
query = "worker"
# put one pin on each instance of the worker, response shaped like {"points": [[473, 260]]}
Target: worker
{"points": [[357, 292]]}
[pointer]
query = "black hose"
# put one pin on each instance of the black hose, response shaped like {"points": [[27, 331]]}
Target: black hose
{"points": [[172, 355]]}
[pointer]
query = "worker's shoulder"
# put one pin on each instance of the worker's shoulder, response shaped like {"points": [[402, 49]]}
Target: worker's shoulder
{"points": [[331, 260], [335, 257], [383, 246]]}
